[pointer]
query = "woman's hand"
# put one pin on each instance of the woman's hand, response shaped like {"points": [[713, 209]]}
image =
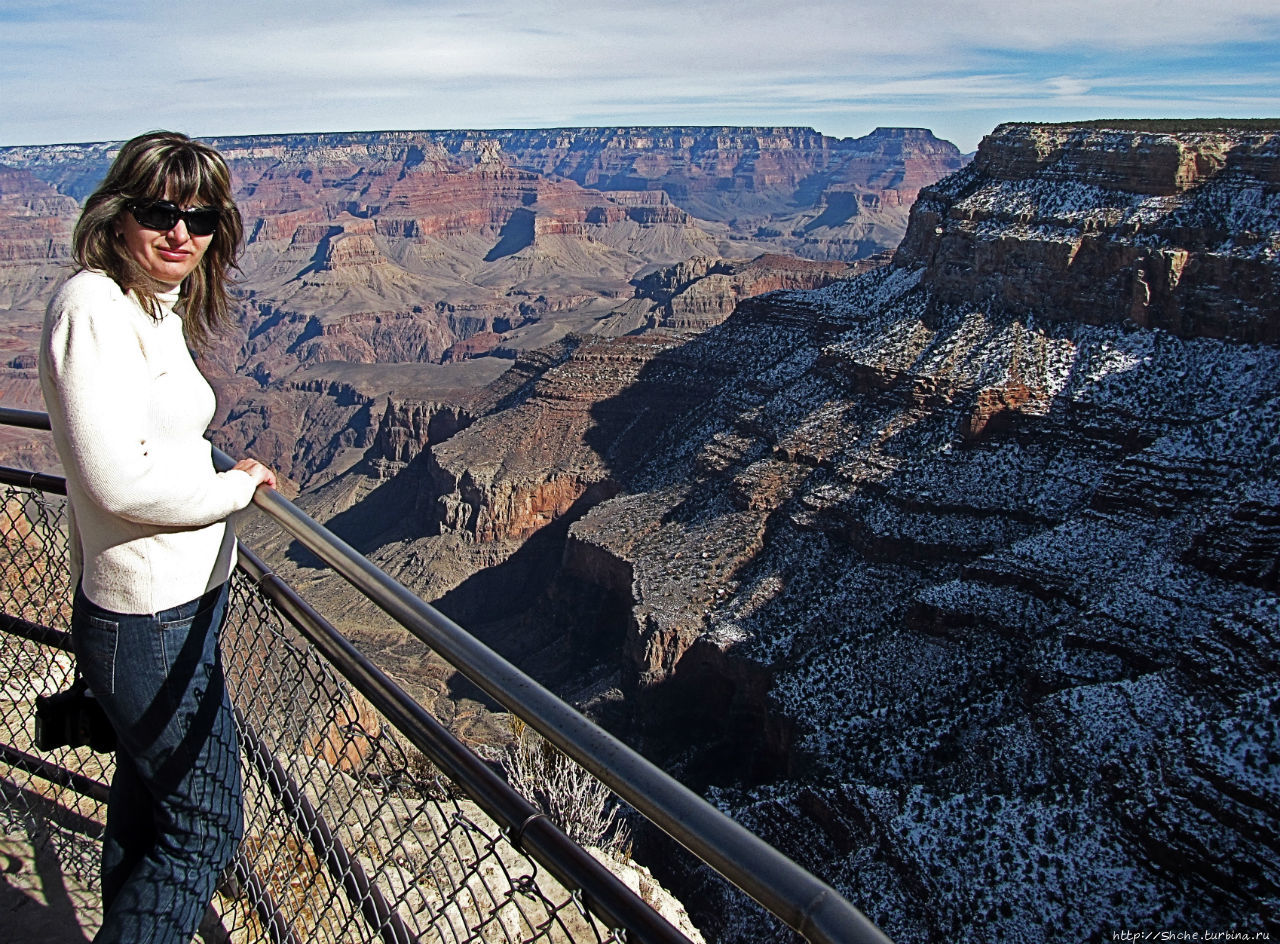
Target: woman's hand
{"points": [[260, 474]]}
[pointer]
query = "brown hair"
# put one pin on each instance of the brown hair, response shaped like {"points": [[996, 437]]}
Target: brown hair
{"points": [[165, 165]]}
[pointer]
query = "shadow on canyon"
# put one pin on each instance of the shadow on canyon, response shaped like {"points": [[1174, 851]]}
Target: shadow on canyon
{"points": [[708, 713]]}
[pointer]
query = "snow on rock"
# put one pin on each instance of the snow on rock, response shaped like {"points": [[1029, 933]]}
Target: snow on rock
{"points": [[986, 542]]}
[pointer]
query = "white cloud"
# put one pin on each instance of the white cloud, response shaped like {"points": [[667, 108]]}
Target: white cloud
{"points": [[1068, 86], [81, 70]]}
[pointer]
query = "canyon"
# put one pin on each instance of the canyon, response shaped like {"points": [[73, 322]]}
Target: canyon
{"points": [[955, 579], [952, 573], [439, 248]]}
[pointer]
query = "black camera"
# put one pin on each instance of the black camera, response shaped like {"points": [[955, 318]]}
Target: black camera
{"points": [[73, 718]]}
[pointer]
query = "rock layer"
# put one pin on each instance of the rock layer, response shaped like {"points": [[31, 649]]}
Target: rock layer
{"points": [[817, 196], [1100, 227], [703, 291]]}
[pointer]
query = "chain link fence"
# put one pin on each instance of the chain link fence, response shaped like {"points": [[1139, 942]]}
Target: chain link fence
{"points": [[351, 835]]}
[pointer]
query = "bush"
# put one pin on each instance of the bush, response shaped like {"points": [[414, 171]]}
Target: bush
{"points": [[571, 797]]}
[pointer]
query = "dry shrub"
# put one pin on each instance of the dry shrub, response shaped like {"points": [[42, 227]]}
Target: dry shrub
{"points": [[574, 800]]}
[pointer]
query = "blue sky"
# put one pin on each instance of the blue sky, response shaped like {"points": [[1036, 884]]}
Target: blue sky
{"points": [[73, 70]]}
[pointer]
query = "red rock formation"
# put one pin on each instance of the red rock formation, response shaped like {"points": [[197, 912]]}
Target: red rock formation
{"points": [[408, 427], [703, 291], [506, 479], [995, 409], [35, 240], [853, 194], [477, 345]]}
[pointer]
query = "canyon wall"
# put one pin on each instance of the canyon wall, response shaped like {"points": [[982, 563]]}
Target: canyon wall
{"points": [[817, 196], [1000, 527], [956, 579], [1100, 227]]}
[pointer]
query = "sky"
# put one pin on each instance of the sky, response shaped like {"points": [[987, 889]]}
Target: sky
{"points": [[79, 71]]}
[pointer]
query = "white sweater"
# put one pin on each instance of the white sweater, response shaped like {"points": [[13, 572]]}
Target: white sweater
{"points": [[129, 410]]}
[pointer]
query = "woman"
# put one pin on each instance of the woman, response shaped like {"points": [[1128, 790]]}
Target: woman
{"points": [[151, 550]]}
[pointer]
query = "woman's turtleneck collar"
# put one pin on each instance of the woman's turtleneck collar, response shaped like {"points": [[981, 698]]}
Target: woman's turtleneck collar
{"points": [[169, 299]]}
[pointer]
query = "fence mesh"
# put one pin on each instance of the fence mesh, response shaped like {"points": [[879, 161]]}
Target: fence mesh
{"points": [[350, 836]]}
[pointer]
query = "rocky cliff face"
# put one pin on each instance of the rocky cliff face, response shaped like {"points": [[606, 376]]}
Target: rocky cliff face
{"points": [[710, 160], [35, 250], [957, 579], [817, 196], [1099, 227], [702, 291], [517, 470], [1003, 535], [398, 252]]}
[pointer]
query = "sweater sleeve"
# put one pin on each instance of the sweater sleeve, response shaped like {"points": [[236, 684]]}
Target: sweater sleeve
{"points": [[99, 378]]}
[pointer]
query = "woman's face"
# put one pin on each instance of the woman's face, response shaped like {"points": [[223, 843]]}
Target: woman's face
{"points": [[168, 256]]}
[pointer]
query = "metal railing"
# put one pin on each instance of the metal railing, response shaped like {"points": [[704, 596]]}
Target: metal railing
{"points": [[441, 849], [348, 836]]}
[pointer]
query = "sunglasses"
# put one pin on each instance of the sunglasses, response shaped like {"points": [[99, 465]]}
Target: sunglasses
{"points": [[163, 215]]}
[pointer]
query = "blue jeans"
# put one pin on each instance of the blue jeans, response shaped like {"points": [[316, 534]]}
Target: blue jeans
{"points": [[174, 816]]}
